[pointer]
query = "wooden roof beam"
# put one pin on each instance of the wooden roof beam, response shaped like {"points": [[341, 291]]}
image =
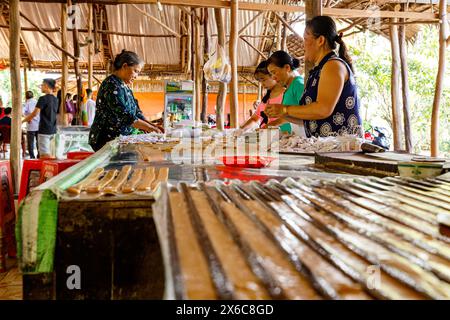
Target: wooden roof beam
{"points": [[331, 11]]}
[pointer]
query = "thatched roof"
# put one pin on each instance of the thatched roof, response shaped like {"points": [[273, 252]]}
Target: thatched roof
{"points": [[125, 26]]}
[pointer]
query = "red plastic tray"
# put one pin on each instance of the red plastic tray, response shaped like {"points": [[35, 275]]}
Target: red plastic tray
{"points": [[79, 155], [246, 161]]}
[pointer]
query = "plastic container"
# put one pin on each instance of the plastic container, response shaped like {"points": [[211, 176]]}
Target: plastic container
{"points": [[246, 161]]}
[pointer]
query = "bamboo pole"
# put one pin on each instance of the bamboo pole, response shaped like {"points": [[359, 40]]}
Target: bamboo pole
{"points": [[405, 89], [234, 106], [163, 25], [312, 8], [395, 88], [254, 48], [205, 58], [443, 36], [263, 41], [62, 119], [16, 91], [90, 48], [46, 36]]}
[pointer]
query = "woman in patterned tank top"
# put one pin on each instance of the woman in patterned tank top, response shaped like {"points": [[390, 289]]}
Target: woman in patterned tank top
{"points": [[329, 104]]}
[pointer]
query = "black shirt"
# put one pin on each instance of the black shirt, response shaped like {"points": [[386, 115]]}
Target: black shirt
{"points": [[49, 108], [5, 121]]}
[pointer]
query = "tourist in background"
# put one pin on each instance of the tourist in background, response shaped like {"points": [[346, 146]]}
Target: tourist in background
{"points": [[33, 125], [90, 107], [47, 109]]}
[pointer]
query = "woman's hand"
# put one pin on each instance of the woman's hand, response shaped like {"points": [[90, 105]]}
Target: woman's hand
{"points": [[275, 110]]}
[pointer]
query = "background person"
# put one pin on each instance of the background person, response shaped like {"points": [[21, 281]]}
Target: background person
{"points": [[47, 109], [33, 125]]}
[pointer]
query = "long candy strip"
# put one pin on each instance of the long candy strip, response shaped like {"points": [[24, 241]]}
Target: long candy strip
{"points": [[93, 176], [98, 185]]}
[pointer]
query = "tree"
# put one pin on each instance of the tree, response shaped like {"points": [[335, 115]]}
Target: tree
{"points": [[372, 60]]}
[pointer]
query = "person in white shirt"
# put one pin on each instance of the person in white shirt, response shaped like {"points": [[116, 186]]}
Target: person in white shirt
{"points": [[33, 124], [90, 107]]}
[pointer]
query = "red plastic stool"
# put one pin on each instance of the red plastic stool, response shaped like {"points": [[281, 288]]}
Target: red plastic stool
{"points": [[7, 215], [80, 155], [51, 168], [31, 173]]}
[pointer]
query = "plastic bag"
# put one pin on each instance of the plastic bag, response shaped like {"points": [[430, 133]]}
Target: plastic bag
{"points": [[218, 67]]}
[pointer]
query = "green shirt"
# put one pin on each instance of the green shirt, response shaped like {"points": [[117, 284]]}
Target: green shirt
{"points": [[292, 97]]}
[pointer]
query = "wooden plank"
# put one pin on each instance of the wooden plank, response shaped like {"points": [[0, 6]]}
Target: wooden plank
{"points": [[16, 91], [443, 37], [405, 88], [234, 104], [354, 13], [395, 88]]}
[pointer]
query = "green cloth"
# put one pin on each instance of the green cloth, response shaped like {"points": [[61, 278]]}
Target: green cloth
{"points": [[36, 232], [291, 97]]}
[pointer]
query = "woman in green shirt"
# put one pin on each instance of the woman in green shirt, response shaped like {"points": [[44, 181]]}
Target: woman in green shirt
{"points": [[282, 68]]}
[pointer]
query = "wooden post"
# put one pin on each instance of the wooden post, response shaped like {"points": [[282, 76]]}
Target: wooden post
{"points": [[312, 8], [405, 87], [62, 119], [16, 90], [284, 35], [205, 58], [76, 48], [183, 42], [234, 106], [443, 36], [189, 44], [25, 76], [279, 35], [395, 87], [90, 45], [197, 67], [244, 100], [259, 92], [222, 93]]}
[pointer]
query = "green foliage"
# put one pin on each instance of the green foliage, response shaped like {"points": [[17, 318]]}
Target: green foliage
{"points": [[372, 60], [34, 82]]}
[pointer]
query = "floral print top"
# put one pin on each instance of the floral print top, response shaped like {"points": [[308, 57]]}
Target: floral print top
{"points": [[117, 110], [345, 118]]}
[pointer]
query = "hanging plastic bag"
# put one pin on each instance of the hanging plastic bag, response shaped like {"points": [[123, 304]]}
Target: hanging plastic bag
{"points": [[218, 67]]}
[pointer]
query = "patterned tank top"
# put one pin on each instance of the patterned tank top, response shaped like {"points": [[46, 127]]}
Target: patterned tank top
{"points": [[345, 118]]}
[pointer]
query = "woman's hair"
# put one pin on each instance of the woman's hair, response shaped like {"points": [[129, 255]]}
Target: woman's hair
{"points": [[325, 26], [282, 58], [129, 57], [262, 68]]}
